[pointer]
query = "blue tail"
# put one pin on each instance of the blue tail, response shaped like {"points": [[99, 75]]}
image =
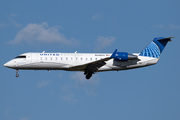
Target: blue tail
{"points": [[155, 48]]}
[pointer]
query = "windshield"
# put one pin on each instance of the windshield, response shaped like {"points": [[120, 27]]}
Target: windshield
{"points": [[23, 56]]}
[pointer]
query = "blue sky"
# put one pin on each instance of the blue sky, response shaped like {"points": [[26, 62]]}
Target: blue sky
{"points": [[89, 26]]}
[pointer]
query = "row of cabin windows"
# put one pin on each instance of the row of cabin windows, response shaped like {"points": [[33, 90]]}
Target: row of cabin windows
{"points": [[64, 58]]}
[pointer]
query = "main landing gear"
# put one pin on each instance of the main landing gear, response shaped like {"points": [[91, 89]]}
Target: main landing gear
{"points": [[88, 74], [17, 75]]}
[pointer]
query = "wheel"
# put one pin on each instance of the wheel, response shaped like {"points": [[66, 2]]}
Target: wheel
{"points": [[88, 76], [85, 72], [17, 75]]}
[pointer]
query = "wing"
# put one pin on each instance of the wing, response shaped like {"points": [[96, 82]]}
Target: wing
{"points": [[93, 66]]}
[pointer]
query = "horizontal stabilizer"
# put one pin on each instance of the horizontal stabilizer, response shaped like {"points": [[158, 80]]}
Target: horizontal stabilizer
{"points": [[166, 39]]}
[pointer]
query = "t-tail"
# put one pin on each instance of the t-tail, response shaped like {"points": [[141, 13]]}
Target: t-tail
{"points": [[155, 48]]}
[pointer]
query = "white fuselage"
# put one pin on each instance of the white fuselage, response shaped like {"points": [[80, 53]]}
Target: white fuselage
{"points": [[65, 61], [90, 63]]}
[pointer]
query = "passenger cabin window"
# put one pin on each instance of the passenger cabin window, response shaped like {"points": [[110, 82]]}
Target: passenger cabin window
{"points": [[23, 56]]}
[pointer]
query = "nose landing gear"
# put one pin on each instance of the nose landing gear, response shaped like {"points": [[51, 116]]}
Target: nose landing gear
{"points": [[17, 75]]}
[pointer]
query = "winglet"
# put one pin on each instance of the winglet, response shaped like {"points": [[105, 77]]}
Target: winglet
{"points": [[114, 54]]}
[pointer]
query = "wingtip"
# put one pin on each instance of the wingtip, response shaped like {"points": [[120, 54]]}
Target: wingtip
{"points": [[114, 54]]}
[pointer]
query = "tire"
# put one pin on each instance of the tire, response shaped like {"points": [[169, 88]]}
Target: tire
{"points": [[88, 76], [17, 75]]}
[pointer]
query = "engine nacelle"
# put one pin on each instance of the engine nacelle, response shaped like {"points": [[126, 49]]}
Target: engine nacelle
{"points": [[124, 56], [121, 56]]}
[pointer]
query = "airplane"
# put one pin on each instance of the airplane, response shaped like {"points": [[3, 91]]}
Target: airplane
{"points": [[90, 63]]}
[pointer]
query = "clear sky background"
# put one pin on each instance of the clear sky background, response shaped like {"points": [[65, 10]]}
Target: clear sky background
{"points": [[88, 26]]}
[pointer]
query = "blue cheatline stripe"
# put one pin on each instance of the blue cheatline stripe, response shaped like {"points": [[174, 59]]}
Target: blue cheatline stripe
{"points": [[152, 50]]}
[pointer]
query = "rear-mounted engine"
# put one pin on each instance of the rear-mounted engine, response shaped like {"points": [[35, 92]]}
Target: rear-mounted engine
{"points": [[124, 56]]}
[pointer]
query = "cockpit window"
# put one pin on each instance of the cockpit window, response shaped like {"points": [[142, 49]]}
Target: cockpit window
{"points": [[23, 56]]}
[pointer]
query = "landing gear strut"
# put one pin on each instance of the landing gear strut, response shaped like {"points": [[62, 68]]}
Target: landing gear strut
{"points": [[17, 75]]}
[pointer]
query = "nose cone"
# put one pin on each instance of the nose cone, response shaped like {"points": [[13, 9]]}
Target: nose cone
{"points": [[9, 64], [6, 65]]}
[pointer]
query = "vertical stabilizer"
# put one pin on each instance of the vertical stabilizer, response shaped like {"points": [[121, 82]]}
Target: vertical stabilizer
{"points": [[155, 48]]}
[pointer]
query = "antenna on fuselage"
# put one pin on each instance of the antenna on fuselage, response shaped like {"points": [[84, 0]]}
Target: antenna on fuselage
{"points": [[43, 51], [76, 52]]}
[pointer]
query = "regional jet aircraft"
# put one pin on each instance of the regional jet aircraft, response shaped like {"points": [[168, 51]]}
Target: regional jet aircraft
{"points": [[90, 63]]}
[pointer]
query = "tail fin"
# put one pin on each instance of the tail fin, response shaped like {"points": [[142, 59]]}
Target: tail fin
{"points": [[155, 48]]}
